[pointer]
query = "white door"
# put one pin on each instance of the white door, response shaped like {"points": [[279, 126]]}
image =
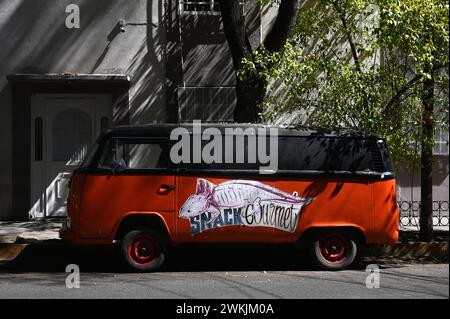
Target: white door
{"points": [[63, 127]]}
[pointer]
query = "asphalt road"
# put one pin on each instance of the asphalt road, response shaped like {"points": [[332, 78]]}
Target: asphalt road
{"points": [[212, 272]]}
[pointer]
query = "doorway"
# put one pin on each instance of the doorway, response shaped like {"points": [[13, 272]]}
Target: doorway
{"points": [[63, 127]]}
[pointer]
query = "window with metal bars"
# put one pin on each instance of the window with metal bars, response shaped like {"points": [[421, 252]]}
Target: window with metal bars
{"points": [[202, 7], [213, 104], [440, 141]]}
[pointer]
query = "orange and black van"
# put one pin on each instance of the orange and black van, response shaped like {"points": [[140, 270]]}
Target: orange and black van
{"points": [[148, 187]]}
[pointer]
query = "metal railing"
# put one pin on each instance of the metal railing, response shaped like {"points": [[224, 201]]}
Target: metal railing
{"points": [[410, 213]]}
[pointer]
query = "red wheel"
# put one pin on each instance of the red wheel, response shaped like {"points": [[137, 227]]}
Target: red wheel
{"points": [[333, 250], [143, 250]]}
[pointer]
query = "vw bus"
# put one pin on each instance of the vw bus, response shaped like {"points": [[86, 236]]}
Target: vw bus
{"points": [[146, 188]]}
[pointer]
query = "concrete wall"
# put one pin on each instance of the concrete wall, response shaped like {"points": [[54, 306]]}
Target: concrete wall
{"points": [[408, 181], [206, 56], [34, 39]]}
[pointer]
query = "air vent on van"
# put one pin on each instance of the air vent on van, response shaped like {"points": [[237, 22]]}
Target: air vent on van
{"points": [[375, 154]]}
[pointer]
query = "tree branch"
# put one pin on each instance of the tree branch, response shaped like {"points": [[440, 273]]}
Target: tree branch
{"points": [[402, 91], [348, 35], [416, 79]]}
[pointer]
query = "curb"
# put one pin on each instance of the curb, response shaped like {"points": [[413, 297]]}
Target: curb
{"points": [[9, 252], [411, 250], [8, 239]]}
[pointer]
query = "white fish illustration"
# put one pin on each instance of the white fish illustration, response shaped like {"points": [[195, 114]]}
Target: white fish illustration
{"points": [[211, 198]]}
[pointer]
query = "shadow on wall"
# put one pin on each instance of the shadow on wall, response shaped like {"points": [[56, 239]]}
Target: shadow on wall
{"points": [[145, 65], [207, 59], [206, 85], [206, 56], [42, 44], [147, 96], [36, 41]]}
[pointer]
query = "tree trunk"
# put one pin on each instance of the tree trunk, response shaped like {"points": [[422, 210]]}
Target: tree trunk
{"points": [[426, 188], [251, 91], [283, 27], [250, 96], [247, 90]]}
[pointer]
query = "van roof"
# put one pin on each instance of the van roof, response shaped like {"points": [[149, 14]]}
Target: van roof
{"points": [[165, 129]]}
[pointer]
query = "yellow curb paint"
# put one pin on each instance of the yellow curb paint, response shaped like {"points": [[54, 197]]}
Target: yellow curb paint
{"points": [[10, 251]]}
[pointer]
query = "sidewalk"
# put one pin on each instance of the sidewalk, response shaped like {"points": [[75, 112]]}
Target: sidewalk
{"points": [[416, 228], [41, 230], [29, 231], [16, 236]]}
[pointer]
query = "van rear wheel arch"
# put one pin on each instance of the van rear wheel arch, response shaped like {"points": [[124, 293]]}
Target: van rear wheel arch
{"points": [[333, 248], [356, 233]]}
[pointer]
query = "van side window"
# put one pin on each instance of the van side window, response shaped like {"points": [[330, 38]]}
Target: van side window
{"points": [[324, 154], [138, 153], [236, 156]]}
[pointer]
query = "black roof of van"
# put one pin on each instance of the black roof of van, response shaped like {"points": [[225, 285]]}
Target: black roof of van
{"points": [[164, 129]]}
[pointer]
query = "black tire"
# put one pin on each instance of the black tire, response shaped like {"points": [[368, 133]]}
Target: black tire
{"points": [[142, 250], [333, 250]]}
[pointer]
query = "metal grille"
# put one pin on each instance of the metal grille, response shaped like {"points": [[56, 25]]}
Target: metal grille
{"points": [[202, 7], [410, 213], [377, 159], [205, 7], [212, 104]]}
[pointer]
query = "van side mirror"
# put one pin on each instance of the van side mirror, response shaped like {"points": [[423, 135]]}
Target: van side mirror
{"points": [[118, 166]]}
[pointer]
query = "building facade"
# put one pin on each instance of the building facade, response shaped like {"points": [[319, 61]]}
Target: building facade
{"points": [[71, 68]]}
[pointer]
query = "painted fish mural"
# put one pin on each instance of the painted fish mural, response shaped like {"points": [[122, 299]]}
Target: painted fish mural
{"points": [[258, 204]]}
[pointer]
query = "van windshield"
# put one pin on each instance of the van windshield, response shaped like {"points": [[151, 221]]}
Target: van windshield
{"points": [[137, 153], [90, 154]]}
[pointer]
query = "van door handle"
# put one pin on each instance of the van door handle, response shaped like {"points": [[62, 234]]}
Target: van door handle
{"points": [[165, 188]]}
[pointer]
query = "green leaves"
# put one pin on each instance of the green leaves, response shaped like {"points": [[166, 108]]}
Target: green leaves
{"points": [[271, 65], [317, 81]]}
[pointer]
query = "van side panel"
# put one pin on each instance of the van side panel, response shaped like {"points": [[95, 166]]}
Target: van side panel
{"points": [[370, 207], [386, 214], [335, 203], [108, 199], [227, 227]]}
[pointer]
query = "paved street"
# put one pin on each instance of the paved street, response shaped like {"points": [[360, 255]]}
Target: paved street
{"points": [[211, 272], [419, 281]]}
